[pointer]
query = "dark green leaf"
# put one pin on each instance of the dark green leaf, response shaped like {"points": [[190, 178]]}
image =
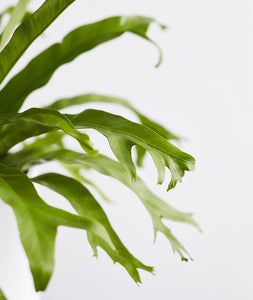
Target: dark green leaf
{"points": [[75, 43], [27, 32], [86, 206], [13, 134], [37, 121], [122, 134], [37, 222]]}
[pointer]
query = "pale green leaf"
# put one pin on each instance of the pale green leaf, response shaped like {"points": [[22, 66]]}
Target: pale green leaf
{"points": [[15, 19], [52, 139], [122, 134], [6, 12], [75, 43], [87, 206], [37, 222], [75, 172], [27, 32], [157, 208]]}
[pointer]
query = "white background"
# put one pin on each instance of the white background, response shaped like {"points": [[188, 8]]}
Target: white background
{"points": [[203, 92]]}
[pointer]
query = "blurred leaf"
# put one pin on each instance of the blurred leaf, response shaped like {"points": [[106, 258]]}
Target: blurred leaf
{"points": [[78, 41], [156, 207], [2, 297], [15, 19], [75, 172], [87, 206], [52, 139], [26, 33], [8, 11], [47, 120], [37, 222], [122, 134]]}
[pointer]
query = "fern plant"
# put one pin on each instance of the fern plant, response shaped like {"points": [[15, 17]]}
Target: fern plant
{"points": [[47, 126]]}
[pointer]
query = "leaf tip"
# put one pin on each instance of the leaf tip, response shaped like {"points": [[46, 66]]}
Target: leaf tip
{"points": [[184, 259], [171, 185]]}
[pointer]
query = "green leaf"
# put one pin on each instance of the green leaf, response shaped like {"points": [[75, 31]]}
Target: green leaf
{"points": [[157, 208], [8, 11], [27, 32], [13, 134], [37, 222], [122, 134], [75, 43], [141, 152], [96, 98], [93, 98], [2, 296], [87, 206], [37, 121], [52, 139], [15, 19]]}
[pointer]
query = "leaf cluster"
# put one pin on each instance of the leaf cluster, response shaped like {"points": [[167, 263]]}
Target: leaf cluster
{"points": [[48, 126]]}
